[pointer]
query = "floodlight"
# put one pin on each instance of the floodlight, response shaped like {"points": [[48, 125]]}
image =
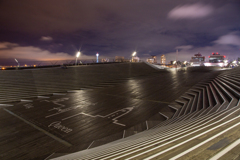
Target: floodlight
{"points": [[134, 53]]}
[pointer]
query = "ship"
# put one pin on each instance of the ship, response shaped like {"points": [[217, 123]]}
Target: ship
{"points": [[216, 60], [197, 60]]}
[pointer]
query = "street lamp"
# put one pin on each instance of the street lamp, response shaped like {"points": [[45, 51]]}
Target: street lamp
{"points": [[17, 62], [97, 57], [134, 53], [78, 54]]}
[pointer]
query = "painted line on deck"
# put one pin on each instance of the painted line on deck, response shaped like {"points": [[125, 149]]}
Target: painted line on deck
{"points": [[40, 129], [225, 150], [47, 158], [90, 145]]}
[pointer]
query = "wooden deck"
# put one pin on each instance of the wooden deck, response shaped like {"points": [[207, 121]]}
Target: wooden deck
{"points": [[87, 118]]}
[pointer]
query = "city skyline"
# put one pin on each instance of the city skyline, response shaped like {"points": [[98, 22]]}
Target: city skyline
{"points": [[54, 30]]}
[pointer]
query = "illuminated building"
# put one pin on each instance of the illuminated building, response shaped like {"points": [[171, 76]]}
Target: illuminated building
{"points": [[119, 59], [163, 59], [135, 59], [152, 60], [105, 60]]}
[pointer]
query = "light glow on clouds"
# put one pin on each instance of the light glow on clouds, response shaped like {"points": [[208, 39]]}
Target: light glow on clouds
{"points": [[46, 38], [229, 39], [13, 50], [190, 11], [6, 45]]}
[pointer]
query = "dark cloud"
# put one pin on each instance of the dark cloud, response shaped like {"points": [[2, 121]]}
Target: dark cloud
{"points": [[121, 26]]}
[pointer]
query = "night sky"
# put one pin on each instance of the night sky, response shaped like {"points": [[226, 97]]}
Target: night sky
{"points": [[57, 29]]}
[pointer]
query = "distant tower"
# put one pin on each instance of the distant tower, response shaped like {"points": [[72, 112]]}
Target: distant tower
{"points": [[163, 59], [97, 57], [154, 58]]}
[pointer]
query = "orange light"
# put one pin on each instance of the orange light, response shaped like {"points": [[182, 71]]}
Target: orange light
{"points": [[3, 68], [25, 65], [34, 65]]}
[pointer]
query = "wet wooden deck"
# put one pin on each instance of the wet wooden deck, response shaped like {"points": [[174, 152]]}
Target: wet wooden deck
{"points": [[72, 121]]}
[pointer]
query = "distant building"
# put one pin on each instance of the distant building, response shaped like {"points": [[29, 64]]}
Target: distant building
{"points": [[163, 59], [105, 60], [135, 59], [197, 60], [152, 60], [119, 59]]}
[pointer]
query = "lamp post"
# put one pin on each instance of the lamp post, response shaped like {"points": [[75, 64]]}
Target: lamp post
{"points": [[78, 54], [134, 54], [176, 57], [17, 62], [97, 57]]}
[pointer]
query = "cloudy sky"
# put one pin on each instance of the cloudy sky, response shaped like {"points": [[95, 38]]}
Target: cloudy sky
{"points": [[57, 29]]}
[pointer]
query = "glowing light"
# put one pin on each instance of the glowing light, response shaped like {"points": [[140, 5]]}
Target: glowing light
{"points": [[3, 68], [34, 65], [97, 57], [134, 53], [221, 64], [234, 62], [207, 64], [25, 65], [225, 61], [174, 62], [78, 54]]}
